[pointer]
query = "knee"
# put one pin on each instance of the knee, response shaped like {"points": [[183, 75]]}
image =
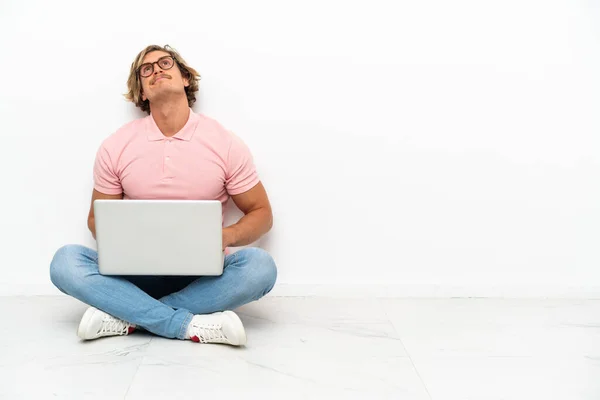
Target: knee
{"points": [[263, 270], [61, 266]]}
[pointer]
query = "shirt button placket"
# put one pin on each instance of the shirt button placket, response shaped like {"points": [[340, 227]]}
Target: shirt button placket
{"points": [[167, 160]]}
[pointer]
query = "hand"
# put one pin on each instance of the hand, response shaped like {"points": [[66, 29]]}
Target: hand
{"points": [[227, 238]]}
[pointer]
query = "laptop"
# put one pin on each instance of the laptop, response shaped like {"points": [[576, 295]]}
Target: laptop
{"points": [[159, 237]]}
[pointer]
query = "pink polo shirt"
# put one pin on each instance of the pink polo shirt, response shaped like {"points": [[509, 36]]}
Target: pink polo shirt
{"points": [[203, 161]]}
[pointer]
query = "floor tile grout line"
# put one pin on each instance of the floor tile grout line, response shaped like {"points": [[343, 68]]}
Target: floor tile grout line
{"points": [[385, 311], [136, 370]]}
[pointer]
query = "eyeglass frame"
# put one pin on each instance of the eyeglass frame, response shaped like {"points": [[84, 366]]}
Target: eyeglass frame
{"points": [[156, 62]]}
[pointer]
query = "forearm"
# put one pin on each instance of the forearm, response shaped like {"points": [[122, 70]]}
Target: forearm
{"points": [[92, 226], [249, 228]]}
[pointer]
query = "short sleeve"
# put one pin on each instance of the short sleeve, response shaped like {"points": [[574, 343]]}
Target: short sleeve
{"points": [[241, 171], [105, 179]]}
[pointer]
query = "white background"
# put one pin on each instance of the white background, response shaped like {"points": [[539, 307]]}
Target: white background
{"points": [[425, 146]]}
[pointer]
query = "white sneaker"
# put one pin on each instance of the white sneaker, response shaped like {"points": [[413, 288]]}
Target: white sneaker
{"points": [[95, 324], [220, 327]]}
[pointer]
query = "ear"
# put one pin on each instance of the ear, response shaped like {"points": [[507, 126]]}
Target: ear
{"points": [[144, 97], [186, 82]]}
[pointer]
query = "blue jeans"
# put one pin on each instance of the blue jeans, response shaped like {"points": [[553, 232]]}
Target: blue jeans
{"points": [[163, 305]]}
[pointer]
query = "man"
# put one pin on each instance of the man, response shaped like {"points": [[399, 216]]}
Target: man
{"points": [[173, 153]]}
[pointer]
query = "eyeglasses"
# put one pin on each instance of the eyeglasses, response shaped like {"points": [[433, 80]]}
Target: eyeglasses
{"points": [[147, 69]]}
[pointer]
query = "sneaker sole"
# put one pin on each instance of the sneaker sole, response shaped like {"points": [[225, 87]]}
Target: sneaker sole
{"points": [[81, 330], [240, 337]]}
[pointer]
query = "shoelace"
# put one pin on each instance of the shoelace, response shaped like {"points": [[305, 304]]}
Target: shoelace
{"points": [[207, 332], [113, 325]]}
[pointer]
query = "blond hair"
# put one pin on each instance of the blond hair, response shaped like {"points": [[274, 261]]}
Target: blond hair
{"points": [[134, 84]]}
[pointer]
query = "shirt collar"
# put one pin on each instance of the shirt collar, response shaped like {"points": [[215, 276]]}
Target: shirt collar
{"points": [[186, 133]]}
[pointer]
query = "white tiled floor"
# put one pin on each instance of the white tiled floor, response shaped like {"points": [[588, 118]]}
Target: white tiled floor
{"points": [[313, 348]]}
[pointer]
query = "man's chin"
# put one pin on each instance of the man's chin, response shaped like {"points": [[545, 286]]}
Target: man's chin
{"points": [[166, 94]]}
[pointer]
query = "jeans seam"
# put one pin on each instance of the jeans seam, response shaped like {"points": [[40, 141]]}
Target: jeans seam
{"points": [[184, 325]]}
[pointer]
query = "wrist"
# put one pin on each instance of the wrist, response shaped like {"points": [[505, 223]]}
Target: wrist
{"points": [[229, 238]]}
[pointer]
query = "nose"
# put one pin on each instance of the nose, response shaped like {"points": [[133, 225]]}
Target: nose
{"points": [[156, 70]]}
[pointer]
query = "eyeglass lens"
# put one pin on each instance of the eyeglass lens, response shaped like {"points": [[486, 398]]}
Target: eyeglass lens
{"points": [[147, 69]]}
